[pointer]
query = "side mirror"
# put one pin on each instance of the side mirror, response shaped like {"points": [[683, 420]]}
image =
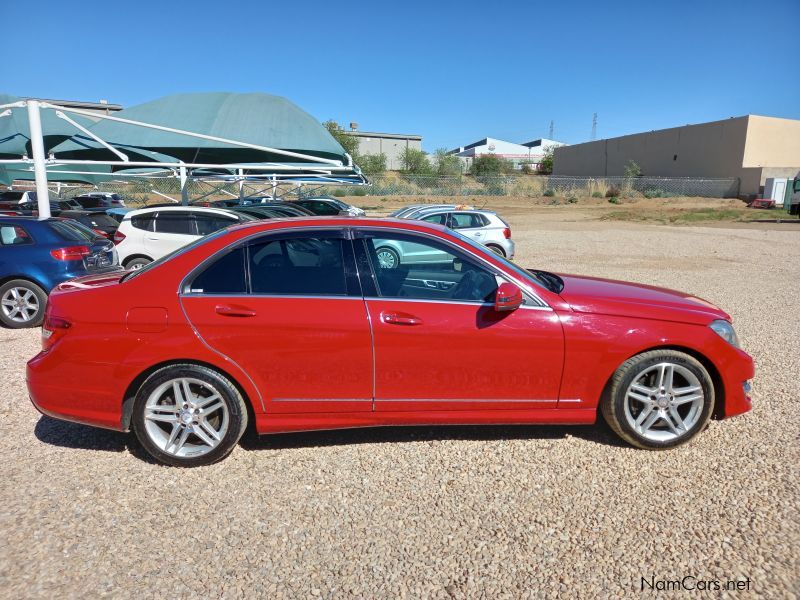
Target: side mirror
{"points": [[507, 298]]}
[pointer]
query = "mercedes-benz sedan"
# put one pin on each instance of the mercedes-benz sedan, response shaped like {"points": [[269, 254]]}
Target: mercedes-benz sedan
{"points": [[295, 325]]}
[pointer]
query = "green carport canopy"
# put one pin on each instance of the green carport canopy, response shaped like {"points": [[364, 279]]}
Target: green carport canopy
{"points": [[255, 119]]}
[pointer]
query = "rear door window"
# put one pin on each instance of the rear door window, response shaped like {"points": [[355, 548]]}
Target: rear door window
{"points": [[465, 221], [308, 266], [178, 222], [14, 235], [145, 221]]}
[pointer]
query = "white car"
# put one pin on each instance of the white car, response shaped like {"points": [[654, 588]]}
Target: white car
{"points": [[483, 226], [149, 233]]}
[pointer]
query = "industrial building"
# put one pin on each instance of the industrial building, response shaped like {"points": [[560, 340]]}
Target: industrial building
{"points": [[530, 153], [751, 148], [371, 143]]}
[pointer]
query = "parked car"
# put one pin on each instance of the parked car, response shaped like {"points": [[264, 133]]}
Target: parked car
{"points": [[31, 207], [18, 196], [258, 212], [36, 255], [98, 222], [328, 206], [147, 234], [483, 226], [406, 211], [100, 201], [343, 342]]}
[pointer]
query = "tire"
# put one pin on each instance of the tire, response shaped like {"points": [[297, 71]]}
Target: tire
{"points": [[22, 304], [645, 415], [137, 263], [387, 258], [199, 432], [496, 249]]}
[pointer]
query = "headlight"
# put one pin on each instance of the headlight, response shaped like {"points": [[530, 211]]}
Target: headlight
{"points": [[725, 331]]}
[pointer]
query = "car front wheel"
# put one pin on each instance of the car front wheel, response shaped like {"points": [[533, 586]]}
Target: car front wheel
{"points": [[22, 304], [659, 399], [188, 416]]}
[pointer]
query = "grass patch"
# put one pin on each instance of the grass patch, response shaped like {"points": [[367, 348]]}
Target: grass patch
{"points": [[680, 216]]}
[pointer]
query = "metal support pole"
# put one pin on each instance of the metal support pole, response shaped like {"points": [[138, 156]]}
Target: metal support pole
{"points": [[274, 187], [241, 184], [39, 164], [184, 190]]}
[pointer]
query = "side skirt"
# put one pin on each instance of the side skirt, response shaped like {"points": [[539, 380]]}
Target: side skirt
{"points": [[284, 423]]}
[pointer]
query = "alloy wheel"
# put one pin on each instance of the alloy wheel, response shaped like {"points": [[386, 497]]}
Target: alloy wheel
{"points": [[20, 304], [664, 402], [186, 417]]}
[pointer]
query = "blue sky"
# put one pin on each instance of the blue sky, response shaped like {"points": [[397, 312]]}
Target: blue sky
{"points": [[452, 72]]}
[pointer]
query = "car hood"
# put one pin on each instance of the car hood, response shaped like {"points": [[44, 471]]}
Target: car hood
{"points": [[621, 298]]}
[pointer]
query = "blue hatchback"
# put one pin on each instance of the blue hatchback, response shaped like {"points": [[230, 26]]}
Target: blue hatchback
{"points": [[37, 255]]}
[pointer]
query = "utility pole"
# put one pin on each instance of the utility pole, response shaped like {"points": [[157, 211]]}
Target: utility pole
{"points": [[594, 127]]}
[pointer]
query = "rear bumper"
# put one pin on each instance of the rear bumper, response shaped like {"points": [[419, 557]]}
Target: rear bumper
{"points": [[736, 376], [71, 399]]}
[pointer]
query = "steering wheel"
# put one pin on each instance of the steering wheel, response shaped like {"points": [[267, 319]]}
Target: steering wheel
{"points": [[465, 289]]}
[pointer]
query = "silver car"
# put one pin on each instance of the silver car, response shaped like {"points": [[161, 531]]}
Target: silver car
{"points": [[483, 226]]}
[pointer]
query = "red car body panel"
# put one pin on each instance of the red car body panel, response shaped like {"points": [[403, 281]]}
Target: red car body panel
{"points": [[319, 363]]}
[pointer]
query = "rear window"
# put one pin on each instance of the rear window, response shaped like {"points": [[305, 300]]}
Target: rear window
{"points": [[14, 235], [72, 231], [466, 220], [98, 220]]}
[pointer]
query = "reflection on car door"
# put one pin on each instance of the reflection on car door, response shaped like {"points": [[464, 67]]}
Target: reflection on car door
{"points": [[439, 344], [287, 309]]}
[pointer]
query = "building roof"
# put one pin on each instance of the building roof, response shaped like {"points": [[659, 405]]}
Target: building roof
{"points": [[391, 136]]}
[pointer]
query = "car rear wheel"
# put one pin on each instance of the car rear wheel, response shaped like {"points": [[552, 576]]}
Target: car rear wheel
{"points": [[137, 263], [659, 399], [496, 249], [189, 416], [387, 258], [22, 304]]}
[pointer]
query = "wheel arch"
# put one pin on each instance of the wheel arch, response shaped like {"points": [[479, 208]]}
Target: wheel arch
{"points": [[713, 372], [131, 257], [5, 279], [129, 396]]}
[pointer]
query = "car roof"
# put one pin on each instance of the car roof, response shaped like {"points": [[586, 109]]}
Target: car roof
{"points": [[199, 209], [339, 221]]}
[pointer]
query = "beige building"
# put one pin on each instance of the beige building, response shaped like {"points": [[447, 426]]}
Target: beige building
{"points": [[391, 144], [750, 148]]}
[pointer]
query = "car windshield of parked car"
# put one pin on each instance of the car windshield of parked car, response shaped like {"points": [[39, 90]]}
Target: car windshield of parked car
{"points": [[540, 280]]}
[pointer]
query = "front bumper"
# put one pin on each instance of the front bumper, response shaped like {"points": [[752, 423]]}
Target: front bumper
{"points": [[736, 376]]}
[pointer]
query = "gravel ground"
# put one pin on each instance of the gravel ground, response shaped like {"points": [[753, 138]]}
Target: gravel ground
{"points": [[460, 512]]}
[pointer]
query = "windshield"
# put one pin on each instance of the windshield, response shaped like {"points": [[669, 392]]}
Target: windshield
{"points": [[173, 254], [543, 279]]}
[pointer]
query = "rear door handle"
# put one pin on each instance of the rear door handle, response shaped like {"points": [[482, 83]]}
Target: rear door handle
{"points": [[234, 311], [400, 318]]}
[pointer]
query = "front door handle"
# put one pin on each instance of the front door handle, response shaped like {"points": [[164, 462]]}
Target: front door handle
{"points": [[400, 318], [234, 311]]}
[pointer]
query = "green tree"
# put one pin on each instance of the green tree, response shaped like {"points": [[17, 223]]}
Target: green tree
{"points": [[489, 164], [546, 164], [348, 142], [447, 165], [632, 169], [374, 164], [415, 162]]}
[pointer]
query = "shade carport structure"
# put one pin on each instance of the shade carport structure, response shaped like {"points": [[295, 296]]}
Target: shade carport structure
{"points": [[216, 135]]}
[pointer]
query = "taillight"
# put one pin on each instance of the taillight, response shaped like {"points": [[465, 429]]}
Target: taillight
{"points": [[53, 329], [507, 233], [100, 232], [118, 236], [71, 253]]}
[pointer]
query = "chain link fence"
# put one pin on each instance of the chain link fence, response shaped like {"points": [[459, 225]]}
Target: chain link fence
{"points": [[140, 191]]}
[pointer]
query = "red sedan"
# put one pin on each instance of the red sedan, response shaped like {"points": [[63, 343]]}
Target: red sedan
{"points": [[295, 325]]}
